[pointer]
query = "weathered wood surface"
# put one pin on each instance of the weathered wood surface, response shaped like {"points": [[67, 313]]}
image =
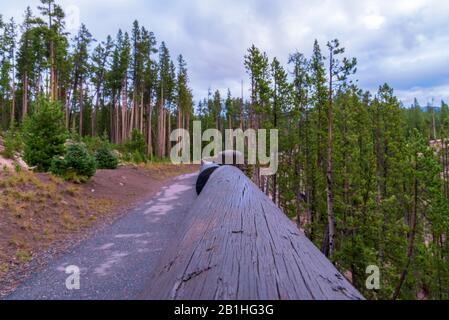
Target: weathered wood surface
{"points": [[237, 245]]}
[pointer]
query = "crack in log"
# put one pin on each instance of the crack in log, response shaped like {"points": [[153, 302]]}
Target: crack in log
{"points": [[196, 273]]}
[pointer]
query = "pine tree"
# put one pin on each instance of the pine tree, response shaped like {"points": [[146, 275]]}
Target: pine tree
{"points": [[100, 59], [25, 59], [302, 165], [184, 96], [165, 94], [44, 134], [318, 123], [337, 73], [150, 84], [80, 72], [124, 64], [280, 105], [257, 67]]}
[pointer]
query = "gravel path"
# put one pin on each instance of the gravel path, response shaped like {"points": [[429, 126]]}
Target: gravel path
{"points": [[117, 261]]}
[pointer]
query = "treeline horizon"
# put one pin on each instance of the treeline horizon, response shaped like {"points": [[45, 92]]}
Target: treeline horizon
{"points": [[112, 86], [365, 178]]}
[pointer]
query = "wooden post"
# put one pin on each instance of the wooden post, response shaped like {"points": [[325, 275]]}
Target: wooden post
{"points": [[236, 244]]}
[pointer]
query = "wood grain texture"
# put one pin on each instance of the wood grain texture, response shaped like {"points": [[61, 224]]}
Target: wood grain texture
{"points": [[237, 245]]}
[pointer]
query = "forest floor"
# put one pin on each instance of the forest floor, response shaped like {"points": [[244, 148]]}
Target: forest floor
{"points": [[42, 216]]}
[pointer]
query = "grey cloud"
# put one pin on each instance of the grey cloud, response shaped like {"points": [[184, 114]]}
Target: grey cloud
{"points": [[401, 42]]}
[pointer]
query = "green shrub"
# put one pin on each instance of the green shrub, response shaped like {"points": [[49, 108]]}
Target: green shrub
{"points": [[76, 165], [44, 135], [13, 143], [137, 157], [106, 159], [136, 147], [95, 143], [58, 166]]}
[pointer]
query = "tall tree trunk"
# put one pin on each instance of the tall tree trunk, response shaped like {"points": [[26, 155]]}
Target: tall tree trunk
{"points": [[329, 192], [141, 113], [57, 87], [111, 119], [94, 114], [275, 123], [117, 122], [164, 132], [160, 125], [37, 84], [135, 119], [25, 96], [52, 71], [149, 128], [179, 122], [168, 133], [13, 102], [67, 110], [132, 121], [124, 107], [81, 97], [307, 176], [159, 132]]}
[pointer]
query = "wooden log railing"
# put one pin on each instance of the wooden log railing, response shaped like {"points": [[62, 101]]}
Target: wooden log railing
{"points": [[237, 245]]}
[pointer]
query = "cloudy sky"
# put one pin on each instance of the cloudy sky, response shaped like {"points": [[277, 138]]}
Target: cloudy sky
{"points": [[402, 42]]}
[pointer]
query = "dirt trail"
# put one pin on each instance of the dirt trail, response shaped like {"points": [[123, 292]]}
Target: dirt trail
{"points": [[117, 261], [41, 216]]}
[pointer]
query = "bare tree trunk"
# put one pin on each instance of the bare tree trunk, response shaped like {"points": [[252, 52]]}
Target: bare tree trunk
{"points": [[94, 114], [117, 122], [164, 127], [111, 119], [13, 106], [136, 112], [67, 110], [131, 121], [159, 132], [52, 71], [149, 128], [160, 124], [81, 108], [275, 126], [57, 88], [124, 107], [141, 113], [180, 123], [25, 96], [168, 132], [37, 84]]}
